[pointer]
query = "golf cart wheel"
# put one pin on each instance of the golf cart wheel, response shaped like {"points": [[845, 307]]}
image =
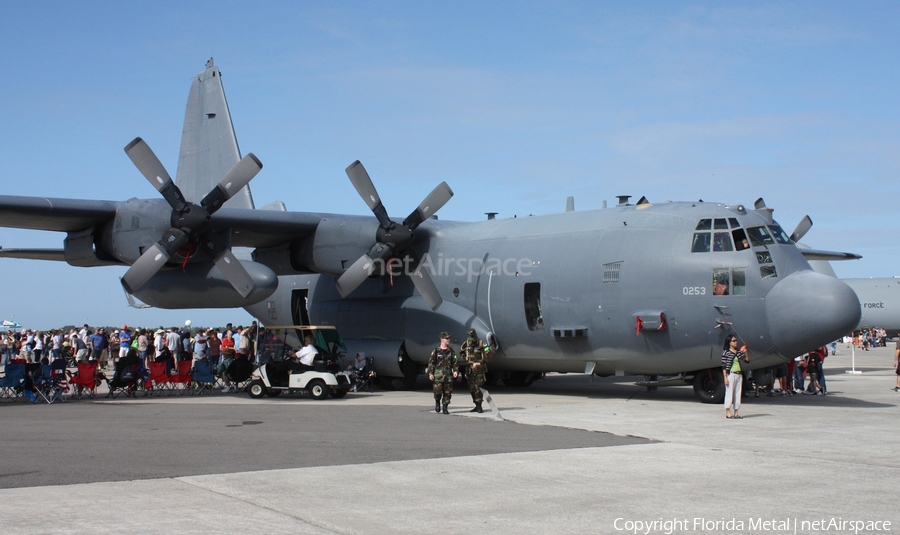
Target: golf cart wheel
{"points": [[317, 389], [338, 394], [257, 389]]}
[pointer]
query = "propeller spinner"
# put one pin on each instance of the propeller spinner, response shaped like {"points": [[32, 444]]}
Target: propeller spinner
{"points": [[392, 239], [190, 222]]}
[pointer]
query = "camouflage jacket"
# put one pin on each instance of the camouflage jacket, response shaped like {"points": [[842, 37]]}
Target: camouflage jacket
{"points": [[475, 354], [442, 364]]}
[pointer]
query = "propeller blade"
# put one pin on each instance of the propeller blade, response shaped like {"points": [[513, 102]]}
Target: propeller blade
{"points": [[802, 228], [153, 260], [428, 207], [235, 273], [155, 173], [236, 178], [355, 275], [425, 284], [366, 189]]}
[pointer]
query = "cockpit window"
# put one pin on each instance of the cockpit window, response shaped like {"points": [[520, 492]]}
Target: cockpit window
{"points": [[779, 234], [740, 239], [759, 236], [734, 222], [721, 224], [722, 242], [704, 224], [767, 271], [701, 242]]}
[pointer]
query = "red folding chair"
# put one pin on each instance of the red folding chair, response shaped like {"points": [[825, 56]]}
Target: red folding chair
{"points": [[84, 381], [181, 381], [159, 380]]}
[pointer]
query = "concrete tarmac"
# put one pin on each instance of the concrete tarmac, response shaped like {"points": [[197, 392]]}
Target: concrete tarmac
{"points": [[569, 455]]}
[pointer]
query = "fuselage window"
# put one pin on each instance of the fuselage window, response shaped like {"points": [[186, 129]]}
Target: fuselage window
{"points": [[739, 281], [729, 281], [704, 224], [740, 239], [779, 234], [701, 242], [759, 236], [767, 271], [533, 315], [764, 257], [722, 242], [721, 281]]}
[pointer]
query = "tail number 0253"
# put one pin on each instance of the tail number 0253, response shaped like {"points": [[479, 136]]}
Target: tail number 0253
{"points": [[694, 290]]}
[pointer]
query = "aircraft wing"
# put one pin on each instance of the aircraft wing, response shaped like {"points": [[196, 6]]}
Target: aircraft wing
{"points": [[45, 213], [266, 228], [58, 255], [817, 254]]}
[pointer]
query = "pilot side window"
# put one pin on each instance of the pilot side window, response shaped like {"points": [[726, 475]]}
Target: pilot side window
{"points": [[533, 315], [759, 236], [740, 239], [779, 234]]}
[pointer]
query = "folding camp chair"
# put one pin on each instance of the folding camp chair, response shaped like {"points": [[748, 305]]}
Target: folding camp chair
{"points": [[84, 382], [182, 380], [159, 380], [203, 378], [13, 382]]}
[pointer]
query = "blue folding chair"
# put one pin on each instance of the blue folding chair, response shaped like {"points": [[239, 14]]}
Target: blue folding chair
{"points": [[12, 384], [202, 377]]}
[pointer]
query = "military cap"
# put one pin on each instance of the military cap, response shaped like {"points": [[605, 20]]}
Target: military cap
{"points": [[471, 333], [446, 335]]}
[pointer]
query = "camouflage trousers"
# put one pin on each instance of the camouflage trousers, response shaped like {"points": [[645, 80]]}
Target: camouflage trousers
{"points": [[443, 391], [474, 382]]}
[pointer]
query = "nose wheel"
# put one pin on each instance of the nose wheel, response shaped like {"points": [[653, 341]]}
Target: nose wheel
{"points": [[709, 386]]}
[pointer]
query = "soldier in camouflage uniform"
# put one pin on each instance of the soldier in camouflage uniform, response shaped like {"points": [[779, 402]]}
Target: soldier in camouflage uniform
{"points": [[442, 370], [475, 354]]}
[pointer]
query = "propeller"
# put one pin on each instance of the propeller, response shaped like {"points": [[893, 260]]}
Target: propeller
{"points": [[190, 222], [392, 239], [802, 228]]}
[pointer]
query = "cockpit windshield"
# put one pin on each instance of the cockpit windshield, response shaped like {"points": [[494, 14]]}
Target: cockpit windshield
{"points": [[779, 234]]}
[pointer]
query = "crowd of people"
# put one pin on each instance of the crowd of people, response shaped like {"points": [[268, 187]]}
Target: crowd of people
{"points": [[223, 348]]}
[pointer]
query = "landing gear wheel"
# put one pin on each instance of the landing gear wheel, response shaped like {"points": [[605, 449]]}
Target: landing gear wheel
{"points": [[709, 385], [256, 389], [338, 394], [317, 389]]}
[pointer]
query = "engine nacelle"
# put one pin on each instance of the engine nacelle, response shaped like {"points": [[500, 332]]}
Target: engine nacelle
{"points": [[202, 285]]}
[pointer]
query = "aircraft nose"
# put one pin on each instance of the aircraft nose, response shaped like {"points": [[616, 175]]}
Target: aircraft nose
{"points": [[808, 310]]}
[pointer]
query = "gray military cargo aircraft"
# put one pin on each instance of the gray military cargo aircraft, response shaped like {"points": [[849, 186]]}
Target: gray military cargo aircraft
{"points": [[644, 288]]}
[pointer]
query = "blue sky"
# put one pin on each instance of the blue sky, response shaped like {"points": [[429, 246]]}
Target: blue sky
{"points": [[517, 105]]}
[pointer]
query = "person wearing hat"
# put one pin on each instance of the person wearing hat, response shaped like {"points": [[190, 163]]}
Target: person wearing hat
{"points": [[475, 354], [442, 370]]}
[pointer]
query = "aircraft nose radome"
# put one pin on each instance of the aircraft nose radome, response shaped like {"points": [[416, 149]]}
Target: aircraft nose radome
{"points": [[807, 310]]}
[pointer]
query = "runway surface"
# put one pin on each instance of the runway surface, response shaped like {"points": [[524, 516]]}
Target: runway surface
{"points": [[567, 455]]}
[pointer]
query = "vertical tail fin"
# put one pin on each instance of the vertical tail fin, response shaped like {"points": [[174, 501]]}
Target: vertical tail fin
{"points": [[209, 146]]}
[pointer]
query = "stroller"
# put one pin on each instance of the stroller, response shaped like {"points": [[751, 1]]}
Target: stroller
{"points": [[363, 378]]}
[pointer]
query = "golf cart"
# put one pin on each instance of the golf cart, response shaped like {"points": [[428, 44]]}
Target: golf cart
{"points": [[278, 345]]}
